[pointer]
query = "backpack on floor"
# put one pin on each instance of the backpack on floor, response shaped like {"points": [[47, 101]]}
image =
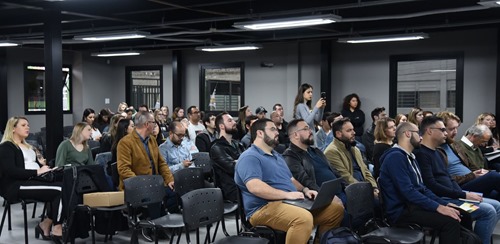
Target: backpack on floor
{"points": [[340, 235], [469, 237]]}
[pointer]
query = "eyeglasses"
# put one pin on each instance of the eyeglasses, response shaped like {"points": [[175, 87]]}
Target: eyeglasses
{"points": [[180, 135], [441, 129], [305, 129]]}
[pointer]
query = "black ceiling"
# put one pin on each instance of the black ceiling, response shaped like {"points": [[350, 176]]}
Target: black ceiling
{"points": [[179, 24]]}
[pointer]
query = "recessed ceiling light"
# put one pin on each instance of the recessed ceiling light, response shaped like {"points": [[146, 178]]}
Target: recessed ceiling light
{"points": [[286, 23], [385, 38], [116, 54], [8, 44], [241, 47], [113, 36]]}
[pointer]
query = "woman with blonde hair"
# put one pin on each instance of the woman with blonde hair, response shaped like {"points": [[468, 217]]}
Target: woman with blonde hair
{"points": [[400, 118], [121, 107], [19, 167], [243, 113], [75, 151], [416, 116]]}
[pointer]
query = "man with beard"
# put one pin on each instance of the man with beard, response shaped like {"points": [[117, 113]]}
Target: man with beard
{"points": [[469, 178], [406, 199], [345, 157], [172, 150], [265, 180], [432, 162], [308, 164], [225, 152]]}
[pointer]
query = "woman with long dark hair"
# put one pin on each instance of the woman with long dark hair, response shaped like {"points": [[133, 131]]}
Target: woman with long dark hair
{"points": [[124, 127], [89, 117], [351, 108], [302, 106], [19, 166]]}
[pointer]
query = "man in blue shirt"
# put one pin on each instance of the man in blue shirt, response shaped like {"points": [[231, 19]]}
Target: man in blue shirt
{"points": [[406, 199], [265, 180], [172, 150]]}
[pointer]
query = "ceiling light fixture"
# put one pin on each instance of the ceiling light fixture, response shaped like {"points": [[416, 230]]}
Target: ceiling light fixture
{"points": [[239, 47], [490, 4], [385, 38], [286, 23], [442, 70], [8, 44], [116, 54], [113, 36]]}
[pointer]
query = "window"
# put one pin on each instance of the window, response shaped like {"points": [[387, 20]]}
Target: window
{"points": [[144, 86], [34, 89], [221, 86], [431, 82]]}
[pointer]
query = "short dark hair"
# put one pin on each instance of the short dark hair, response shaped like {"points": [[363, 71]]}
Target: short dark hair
{"points": [[377, 111], [276, 105], [337, 125], [219, 120], [144, 106], [332, 117], [206, 117], [292, 125], [325, 115], [258, 125], [248, 119], [190, 109], [428, 122], [173, 124]]}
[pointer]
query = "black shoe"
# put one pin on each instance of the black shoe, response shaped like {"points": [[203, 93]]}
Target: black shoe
{"points": [[39, 231], [56, 239], [147, 233]]}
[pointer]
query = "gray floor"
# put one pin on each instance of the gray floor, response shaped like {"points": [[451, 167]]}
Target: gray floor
{"points": [[16, 235]]}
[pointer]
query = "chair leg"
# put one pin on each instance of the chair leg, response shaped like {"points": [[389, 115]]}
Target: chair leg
{"points": [[91, 214], [9, 218], [6, 208], [25, 221], [34, 210]]}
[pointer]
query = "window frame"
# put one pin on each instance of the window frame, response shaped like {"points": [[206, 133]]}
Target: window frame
{"points": [[393, 76], [128, 83]]}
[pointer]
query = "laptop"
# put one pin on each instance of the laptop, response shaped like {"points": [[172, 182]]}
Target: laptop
{"points": [[326, 193]]}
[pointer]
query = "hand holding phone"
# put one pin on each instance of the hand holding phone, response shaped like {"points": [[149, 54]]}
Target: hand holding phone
{"points": [[323, 95]]}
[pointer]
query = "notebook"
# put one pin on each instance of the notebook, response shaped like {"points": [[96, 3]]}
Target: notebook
{"points": [[326, 193]]}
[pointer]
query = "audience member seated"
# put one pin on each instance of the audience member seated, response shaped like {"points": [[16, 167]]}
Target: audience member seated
{"points": [[279, 108], [125, 127], [246, 141], [282, 129], [161, 120], [488, 119], [432, 162], [19, 166], [89, 117], [346, 158], [107, 138], [194, 126], [324, 130], [351, 109], [265, 180], [178, 113], [385, 132], [173, 152], [204, 140], [102, 121], [406, 199], [260, 112], [368, 138], [224, 153], [400, 118], [415, 116], [243, 113], [75, 150], [121, 107], [157, 134], [334, 116]]}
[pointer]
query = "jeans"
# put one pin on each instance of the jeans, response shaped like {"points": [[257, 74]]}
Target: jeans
{"points": [[486, 217], [296, 221], [486, 184]]}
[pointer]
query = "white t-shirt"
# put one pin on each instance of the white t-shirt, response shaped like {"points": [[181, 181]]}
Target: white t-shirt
{"points": [[29, 158], [194, 130]]}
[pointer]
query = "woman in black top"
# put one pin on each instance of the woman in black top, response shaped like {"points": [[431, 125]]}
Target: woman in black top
{"points": [[385, 131], [124, 127], [351, 109], [19, 165]]}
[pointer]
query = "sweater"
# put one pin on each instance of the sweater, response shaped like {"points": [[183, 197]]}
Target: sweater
{"points": [[67, 154]]}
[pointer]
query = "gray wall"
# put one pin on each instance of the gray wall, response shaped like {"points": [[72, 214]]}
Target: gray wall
{"points": [[363, 69]]}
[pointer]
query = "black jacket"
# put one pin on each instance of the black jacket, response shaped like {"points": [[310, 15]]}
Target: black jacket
{"points": [[12, 170], [224, 156], [302, 168], [204, 141]]}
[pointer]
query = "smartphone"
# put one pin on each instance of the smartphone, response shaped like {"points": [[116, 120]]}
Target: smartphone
{"points": [[323, 95]]}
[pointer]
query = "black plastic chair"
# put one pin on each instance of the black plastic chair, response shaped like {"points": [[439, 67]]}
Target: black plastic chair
{"points": [[203, 207], [275, 236], [144, 190], [202, 160], [360, 208], [7, 211]]}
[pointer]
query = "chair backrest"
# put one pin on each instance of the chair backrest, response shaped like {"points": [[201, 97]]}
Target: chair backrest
{"points": [[202, 160], [202, 207], [85, 183], [241, 211], [103, 158], [115, 176], [188, 179], [360, 201], [143, 190]]}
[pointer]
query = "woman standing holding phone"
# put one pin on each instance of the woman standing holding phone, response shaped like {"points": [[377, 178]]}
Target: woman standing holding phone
{"points": [[302, 107]]}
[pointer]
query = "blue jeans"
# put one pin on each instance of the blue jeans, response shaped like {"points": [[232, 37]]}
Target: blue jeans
{"points": [[486, 184], [486, 217]]}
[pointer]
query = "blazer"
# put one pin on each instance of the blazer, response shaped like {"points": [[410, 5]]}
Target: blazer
{"points": [[132, 159], [341, 160], [12, 170]]}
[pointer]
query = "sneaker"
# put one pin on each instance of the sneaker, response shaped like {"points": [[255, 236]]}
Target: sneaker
{"points": [[147, 233]]}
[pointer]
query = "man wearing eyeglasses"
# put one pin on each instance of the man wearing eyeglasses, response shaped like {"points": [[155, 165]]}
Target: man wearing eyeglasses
{"points": [[194, 127], [172, 150], [265, 180], [406, 199], [432, 162]]}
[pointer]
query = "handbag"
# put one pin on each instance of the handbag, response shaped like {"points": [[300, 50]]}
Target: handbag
{"points": [[50, 176]]}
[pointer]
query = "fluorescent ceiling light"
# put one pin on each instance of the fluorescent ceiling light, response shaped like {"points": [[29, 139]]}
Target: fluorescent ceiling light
{"points": [[243, 47], [8, 44], [285, 23], [115, 54], [442, 70], [113, 36], [385, 38], [490, 4]]}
